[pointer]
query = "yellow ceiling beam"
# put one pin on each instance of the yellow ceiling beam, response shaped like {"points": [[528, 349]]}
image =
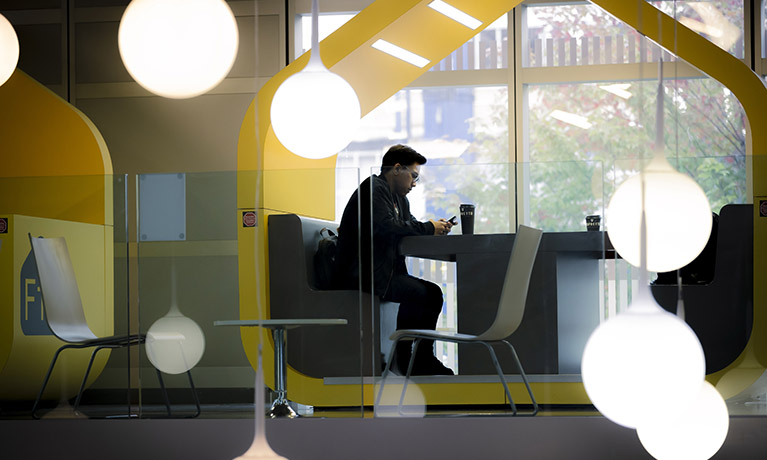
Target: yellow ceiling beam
{"points": [[375, 76]]}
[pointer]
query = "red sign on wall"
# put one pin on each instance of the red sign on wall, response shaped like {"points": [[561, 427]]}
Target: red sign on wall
{"points": [[249, 219]]}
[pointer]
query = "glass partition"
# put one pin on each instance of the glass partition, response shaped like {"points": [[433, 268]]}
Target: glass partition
{"points": [[187, 279], [566, 296], [205, 248], [575, 109], [89, 214], [196, 266], [722, 274]]}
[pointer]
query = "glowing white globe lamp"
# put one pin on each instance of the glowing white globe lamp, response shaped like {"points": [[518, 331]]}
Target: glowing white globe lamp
{"points": [[175, 343], [641, 360], [695, 431], [678, 217], [315, 112], [178, 48], [678, 214], [9, 49]]}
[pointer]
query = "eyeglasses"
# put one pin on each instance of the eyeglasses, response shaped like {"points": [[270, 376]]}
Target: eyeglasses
{"points": [[414, 175]]}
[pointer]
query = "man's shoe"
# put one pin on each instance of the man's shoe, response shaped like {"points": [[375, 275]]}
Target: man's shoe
{"points": [[430, 365]]}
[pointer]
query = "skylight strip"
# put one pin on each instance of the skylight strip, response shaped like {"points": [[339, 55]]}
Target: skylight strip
{"points": [[571, 118], [455, 14], [400, 53], [619, 89]]}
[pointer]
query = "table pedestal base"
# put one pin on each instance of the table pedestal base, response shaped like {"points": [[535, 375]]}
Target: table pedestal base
{"points": [[281, 408]]}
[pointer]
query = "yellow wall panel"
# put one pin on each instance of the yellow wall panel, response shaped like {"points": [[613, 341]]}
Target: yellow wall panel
{"points": [[55, 180], [54, 160], [27, 345]]}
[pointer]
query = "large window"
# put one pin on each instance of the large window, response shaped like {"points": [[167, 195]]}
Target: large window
{"points": [[607, 128], [581, 34], [719, 21], [463, 132], [584, 105], [553, 129], [588, 127]]}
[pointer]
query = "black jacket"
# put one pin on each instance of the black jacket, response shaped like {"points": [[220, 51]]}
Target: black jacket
{"points": [[391, 220]]}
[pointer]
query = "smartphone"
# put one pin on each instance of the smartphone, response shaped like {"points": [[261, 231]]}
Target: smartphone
{"points": [[452, 220]]}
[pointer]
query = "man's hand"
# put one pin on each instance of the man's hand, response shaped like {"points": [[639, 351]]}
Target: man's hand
{"points": [[441, 227]]}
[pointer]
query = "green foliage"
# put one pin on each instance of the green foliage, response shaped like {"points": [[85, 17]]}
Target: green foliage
{"points": [[571, 172]]}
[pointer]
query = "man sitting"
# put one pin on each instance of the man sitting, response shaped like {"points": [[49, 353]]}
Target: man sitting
{"points": [[420, 301]]}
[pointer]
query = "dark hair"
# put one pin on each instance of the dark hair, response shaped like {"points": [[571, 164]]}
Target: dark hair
{"points": [[401, 154]]}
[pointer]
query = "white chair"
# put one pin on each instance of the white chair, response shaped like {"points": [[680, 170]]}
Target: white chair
{"points": [[66, 318], [510, 311]]}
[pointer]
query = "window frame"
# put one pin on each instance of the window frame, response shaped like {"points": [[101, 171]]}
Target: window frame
{"points": [[517, 77]]}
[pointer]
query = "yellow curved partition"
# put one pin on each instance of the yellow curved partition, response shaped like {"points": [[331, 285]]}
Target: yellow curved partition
{"points": [[752, 94], [55, 180], [267, 168]]}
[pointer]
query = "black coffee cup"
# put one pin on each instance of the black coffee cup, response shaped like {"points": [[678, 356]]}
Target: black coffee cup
{"points": [[592, 223], [467, 219]]}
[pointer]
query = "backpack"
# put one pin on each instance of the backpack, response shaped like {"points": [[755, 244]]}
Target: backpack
{"points": [[325, 260]]}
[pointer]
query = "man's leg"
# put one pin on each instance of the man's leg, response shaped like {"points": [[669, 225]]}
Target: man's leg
{"points": [[420, 303]]}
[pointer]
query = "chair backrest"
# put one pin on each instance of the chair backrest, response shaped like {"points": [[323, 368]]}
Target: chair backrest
{"points": [[514, 294], [61, 297]]}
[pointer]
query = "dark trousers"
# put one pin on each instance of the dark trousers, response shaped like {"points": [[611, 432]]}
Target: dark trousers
{"points": [[420, 303]]}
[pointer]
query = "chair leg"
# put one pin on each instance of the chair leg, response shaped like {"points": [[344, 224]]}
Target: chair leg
{"points": [[164, 391], [524, 376], [87, 373], [407, 374], [194, 393], [45, 381], [501, 376], [166, 398], [386, 371]]}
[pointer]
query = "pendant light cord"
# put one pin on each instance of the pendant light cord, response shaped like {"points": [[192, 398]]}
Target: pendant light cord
{"points": [[315, 61]]}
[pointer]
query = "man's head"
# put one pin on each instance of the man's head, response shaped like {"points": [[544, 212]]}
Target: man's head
{"points": [[401, 166]]}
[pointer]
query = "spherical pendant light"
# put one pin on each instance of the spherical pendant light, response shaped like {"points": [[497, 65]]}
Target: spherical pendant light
{"points": [[9, 49], [175, 343], [315, 112], [178, 48], [641, 361], [678, 217], [695, 431]]}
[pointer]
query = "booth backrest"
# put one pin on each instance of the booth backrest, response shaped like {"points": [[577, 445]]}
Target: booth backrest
{"points": [[721, 312], [310, 230], [318, 351]]}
